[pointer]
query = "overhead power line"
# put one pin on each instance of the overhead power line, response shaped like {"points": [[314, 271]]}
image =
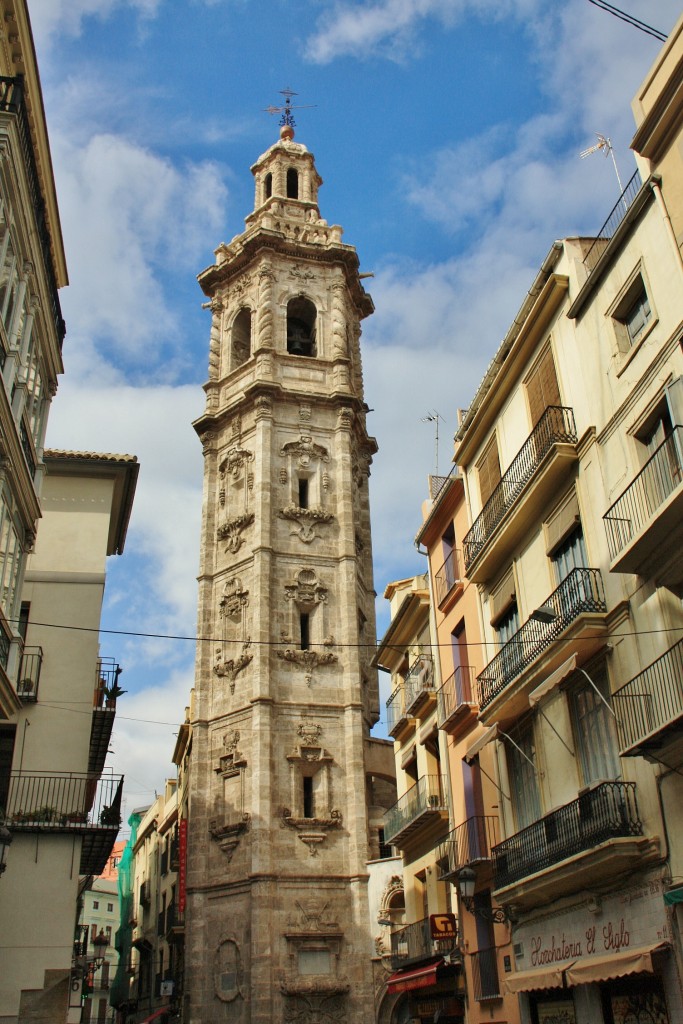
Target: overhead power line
{"points": [[630, 19]]}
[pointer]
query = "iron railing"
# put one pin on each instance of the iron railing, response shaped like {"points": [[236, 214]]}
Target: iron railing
{"points": [[659, 477], [425, 796], [613, 221], [555, 426], [396, 709], [27, 448], [608, 811], [469, 843], [419, 680], [12, 102], [63, 801], [107, 672], [29, 673], [447, 576], [652, 700], [414, 942], [457, 691], [579, 592], [81, 936], [5, 642], [485, 981]]}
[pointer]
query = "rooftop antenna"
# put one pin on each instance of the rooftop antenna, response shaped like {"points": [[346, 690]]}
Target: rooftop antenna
{"points": [[433, 417], [287, 119], [604, 144]]}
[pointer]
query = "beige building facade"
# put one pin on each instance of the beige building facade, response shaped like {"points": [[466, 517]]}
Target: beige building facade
{"points": [[282, 766]]}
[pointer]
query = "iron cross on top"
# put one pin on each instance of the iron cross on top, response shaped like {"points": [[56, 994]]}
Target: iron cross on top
{"points": [[286, 111]]}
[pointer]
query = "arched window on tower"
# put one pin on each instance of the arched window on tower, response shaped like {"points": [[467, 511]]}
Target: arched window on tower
{"points": [[301, 318], [268, 185], [292, 183], [241, 338]]}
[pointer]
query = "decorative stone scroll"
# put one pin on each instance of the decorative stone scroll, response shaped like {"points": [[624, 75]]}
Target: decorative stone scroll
{"points": [[229, 668], [307, 520], [235, 485]]}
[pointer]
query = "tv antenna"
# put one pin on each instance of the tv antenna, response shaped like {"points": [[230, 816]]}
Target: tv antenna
{"points": [[433, 417], [287, 119], [604, 144]]}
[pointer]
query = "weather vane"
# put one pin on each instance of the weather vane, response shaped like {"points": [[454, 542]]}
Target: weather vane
{"points": [[287, 119]]}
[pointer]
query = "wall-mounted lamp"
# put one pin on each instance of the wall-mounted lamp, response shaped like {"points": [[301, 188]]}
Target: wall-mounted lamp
{"points": [[465, 881], [100, 942], [5, 843], [546, 614]]}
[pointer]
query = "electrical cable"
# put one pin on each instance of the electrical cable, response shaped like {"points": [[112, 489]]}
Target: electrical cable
{"points": [[630, 19]]}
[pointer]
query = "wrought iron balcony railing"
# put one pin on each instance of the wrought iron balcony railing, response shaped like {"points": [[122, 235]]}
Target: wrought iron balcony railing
{"points": [[608, 811], [81, 936], [425, 798], [396, 709], [457, 692], [446, 577], [581, 591], [107, 672], [651, 701], [12, 102], [63, 801], [414, 942], [419, 680], [613, 221], [555, 426], [635, 507], [29, 673], [485, 980], [469, 843]]}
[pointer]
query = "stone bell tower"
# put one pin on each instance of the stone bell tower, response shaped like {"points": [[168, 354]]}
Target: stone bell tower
{"points": [[277, 920]]}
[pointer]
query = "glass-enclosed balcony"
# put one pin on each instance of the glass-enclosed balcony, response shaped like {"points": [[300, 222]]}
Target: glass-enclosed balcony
{"points": [[470, 843], [649, 708], [456, 699], [608, 811], [530, 480], [580, 593], [423, 803], [644, 524]]}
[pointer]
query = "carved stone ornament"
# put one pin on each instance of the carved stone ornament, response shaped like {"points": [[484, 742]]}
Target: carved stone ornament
{"points": [[233, 758], [240, 286], [234, 599], [231, 531], [306, 589], [230, 668], [309, 660], [304, 412], [305, 451], [227, 835], [234, 461], [298, 274], [310, 732], [307, 519], [228, 972]]}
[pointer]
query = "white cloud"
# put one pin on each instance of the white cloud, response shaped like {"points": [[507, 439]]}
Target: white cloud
{"points": [[66, 17]]}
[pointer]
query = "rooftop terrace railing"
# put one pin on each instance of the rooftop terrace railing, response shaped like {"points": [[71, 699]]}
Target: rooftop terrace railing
{"points": [[616, 215]]}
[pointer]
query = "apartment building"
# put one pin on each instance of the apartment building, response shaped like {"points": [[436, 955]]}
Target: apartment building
{"points": [[61, 805], [100, 917]]}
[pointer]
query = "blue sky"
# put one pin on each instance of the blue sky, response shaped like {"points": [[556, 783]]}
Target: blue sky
{"points": [[447, 133]]}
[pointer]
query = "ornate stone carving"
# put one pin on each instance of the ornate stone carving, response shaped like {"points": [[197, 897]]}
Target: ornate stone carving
{"points": [[231, 667], [305, 451], [307, 519], [266, 319], [263, 406], [306, 589], [235, 461], [227, 835], [241, 285], [298, 274], [231, 531], [216, 307], [338, 316], [310, 732], [207, 439], [304, 412], [235, 598], [228, 972], [233, 758]]}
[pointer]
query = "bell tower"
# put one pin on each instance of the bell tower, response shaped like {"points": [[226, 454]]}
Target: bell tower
{"points": [[285, 695]]}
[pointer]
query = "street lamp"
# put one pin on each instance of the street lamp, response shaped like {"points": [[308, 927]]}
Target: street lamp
{"points": [[466, 879], [100, 942], [5, 843]]}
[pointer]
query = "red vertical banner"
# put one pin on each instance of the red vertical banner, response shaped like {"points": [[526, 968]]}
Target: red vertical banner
{"points": [[182, 863]]}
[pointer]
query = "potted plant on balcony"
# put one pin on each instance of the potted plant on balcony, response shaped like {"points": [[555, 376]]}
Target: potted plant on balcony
{"points": [[111, 693], [110, 816]]}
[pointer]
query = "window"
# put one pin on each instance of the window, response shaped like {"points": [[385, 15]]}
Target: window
{"points": [[301, 323], [304, 629], [569, 554], [110, 908], [268, 183], [660, 455], [96, 904], [637, 316], [632, 312], [520, 750], [303, 493], [594, 725], [241, 338], [292, 183], [488, 470], [541, 386]]}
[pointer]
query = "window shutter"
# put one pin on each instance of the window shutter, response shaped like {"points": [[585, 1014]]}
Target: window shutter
{"points": [[542, 387], [561, 523], [488, 470], [503, 596]]}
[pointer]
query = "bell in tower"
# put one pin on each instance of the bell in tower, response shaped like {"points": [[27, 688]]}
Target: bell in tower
{"points": [[285, 694]]}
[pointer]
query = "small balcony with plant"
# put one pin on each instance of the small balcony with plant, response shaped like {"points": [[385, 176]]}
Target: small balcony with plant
{"points": [[575, 613], [533, 476], [424, 804], [645, 524], [29, 674], [649, 709], [594, 838], [457, 706], [470, 843], [107, 691]]}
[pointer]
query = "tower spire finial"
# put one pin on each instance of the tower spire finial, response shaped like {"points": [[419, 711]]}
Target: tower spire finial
{"points": [[287, 121]]}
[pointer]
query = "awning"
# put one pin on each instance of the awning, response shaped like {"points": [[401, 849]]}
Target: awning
{"points": [[421, 977], [486, 737], [529, 981], [553, 680], [673, 896], [602, 968], [157, 1013]]}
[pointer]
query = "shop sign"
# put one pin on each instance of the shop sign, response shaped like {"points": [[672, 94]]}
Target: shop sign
{"points": [[443, 926], [556, 1012]]}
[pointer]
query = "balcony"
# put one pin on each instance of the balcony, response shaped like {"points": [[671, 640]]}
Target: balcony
{"points": [[107, 673], [532, 478], [645, 524], [424, 803], [397, 717], [29, 674], [470, 843], [592, 839], [175, 924], [419, 685], [579, 607], [456, 701], [485, 981], [613, 221], [414, 943], [448, 579], [72, 803], [649, 708]]}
